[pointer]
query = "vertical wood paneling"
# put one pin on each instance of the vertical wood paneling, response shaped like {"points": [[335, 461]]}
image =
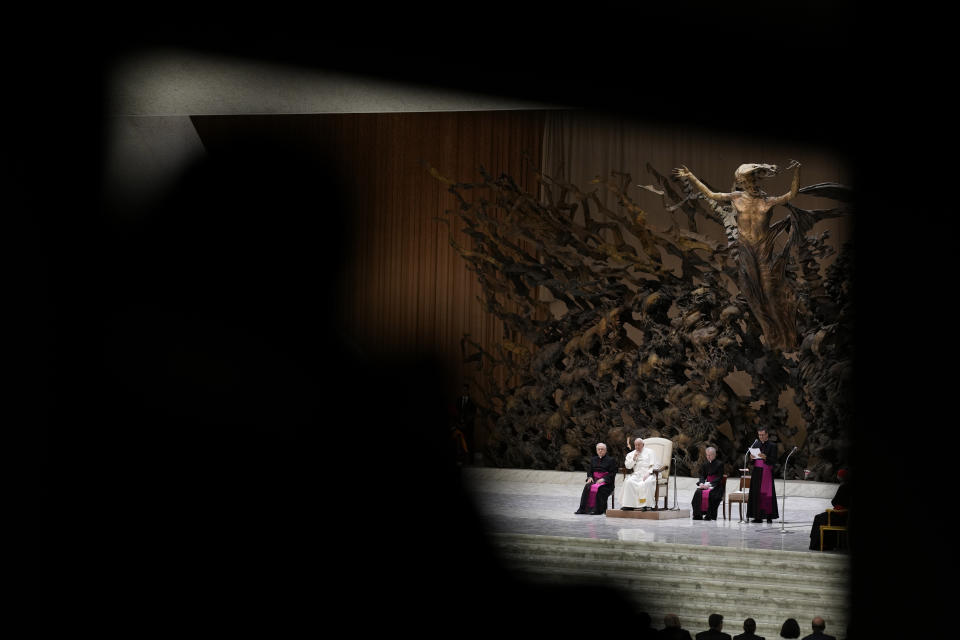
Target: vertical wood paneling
{"points": [[406, 288]]}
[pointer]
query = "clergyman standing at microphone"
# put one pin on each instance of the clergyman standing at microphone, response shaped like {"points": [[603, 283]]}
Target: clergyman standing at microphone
{"points": [[762, 500]]}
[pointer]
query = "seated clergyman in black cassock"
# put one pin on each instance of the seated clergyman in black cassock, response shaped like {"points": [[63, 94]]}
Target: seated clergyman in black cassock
{"points": [[708, 495], [601, 477], [841, 506]]}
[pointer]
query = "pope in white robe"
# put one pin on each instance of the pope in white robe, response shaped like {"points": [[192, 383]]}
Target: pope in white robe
{"points": [[638, 490]]}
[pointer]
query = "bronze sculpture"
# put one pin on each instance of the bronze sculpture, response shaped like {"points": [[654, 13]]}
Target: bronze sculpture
{"points": [[604, 340], [761, 269]]}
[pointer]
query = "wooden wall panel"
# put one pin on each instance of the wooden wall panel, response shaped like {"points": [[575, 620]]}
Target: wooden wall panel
{"points": [[405, 289]]}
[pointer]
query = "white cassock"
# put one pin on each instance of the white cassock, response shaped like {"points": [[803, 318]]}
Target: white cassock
{"points": [[637, 492]]}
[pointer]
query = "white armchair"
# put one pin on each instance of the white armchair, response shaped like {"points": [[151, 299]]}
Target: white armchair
{"points": [[664, 449]]}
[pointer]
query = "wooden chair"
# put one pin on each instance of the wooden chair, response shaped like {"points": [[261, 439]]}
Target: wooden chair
{"points": [[740, 495], [624, 472], [839, 528], [664, 449], [723, 495]]}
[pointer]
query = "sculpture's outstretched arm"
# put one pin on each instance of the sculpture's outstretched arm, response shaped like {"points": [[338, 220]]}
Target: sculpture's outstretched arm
{"points": [[683, 172], [793, 187]]}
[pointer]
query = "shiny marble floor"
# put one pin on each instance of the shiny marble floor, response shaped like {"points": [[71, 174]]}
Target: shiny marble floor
{"points": [[547, 508]]}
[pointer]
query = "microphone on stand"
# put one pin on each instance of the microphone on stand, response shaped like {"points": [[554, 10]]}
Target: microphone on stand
{"points": [[755, 441], [783, 508], [674, 472]]}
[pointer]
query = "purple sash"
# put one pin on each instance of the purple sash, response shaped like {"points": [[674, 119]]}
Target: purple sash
{"points": [[765, 503], [705, 494], [592, 500]]}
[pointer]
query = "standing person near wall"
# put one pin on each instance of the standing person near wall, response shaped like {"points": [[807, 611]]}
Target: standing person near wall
{"points": [[466, 416]]}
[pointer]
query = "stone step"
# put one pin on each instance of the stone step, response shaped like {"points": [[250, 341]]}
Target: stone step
{"points": [[695, 556], [695, 607], [702, 580], [810, 559], [677, 567], [692, 581], [716, 589], [741, 564]]}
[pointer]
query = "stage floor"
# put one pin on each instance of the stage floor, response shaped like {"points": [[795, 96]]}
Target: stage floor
{"points": [[517, 503]]}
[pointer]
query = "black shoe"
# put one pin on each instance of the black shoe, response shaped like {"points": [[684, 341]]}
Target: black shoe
{"points": [[769, 520], [757, 521], [697, 518]]}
